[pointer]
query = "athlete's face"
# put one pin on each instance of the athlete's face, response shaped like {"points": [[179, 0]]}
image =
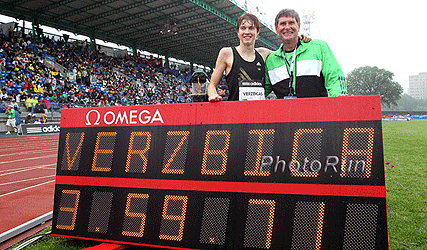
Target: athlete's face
{"points": [[247, 32], [287, 28]]}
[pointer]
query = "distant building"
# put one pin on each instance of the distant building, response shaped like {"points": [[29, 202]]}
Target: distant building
{"points": [[418, 86], [307, 20]]}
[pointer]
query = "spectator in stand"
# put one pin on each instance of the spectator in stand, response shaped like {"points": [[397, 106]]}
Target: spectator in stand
{"points": [[29, 119], [35, 119], [4, 105], [10, 123], [38, 108], [3, 94], [43, 119], [223, 92], [45, 103], [54, 98], [30, 103]]}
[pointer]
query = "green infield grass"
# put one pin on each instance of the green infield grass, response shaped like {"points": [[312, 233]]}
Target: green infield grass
{"points": [[405, 150]]}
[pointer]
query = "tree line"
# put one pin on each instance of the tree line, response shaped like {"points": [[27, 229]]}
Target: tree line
{"points": [[371, 80]]}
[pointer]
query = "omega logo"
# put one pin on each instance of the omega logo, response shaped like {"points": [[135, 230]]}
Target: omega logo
{"points": [[94, 117]]}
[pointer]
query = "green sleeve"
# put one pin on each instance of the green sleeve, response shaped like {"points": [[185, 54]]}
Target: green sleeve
{"points": [[335, 81]]}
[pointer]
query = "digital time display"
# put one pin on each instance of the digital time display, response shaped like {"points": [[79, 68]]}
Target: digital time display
{"points": [[275, 174]]}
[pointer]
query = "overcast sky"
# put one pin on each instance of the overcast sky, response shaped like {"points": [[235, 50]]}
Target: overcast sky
{"points": [[388, 34]]}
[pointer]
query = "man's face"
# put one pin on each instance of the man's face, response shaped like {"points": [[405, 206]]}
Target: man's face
{"points": [[221, 91], [247, 32], [287, 28]]}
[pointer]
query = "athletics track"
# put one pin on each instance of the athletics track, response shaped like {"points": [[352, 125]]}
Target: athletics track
{"points": [[27, 178]]}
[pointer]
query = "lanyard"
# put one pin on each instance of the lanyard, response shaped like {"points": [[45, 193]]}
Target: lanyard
{"points": [[291, 70]]}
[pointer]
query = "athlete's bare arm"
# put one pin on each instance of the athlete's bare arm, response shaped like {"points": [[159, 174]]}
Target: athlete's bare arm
{"points": [[264, 52], [223, 64]]}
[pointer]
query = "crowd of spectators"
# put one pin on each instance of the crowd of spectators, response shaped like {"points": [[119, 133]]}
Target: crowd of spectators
{"points": [[92, 78]]}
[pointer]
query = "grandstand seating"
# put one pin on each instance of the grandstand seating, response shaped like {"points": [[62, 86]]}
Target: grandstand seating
{"points": [[96, 79]]}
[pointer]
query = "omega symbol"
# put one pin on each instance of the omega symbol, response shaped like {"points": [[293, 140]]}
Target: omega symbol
{"points": [[98, 116]]}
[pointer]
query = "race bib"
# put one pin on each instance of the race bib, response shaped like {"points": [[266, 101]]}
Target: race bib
{"points": [[251, 90]]}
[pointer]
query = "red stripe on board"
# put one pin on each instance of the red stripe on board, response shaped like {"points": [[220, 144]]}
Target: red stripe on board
{"points": [[122, 242], [226, 186], [106, 246], [324, 109]]}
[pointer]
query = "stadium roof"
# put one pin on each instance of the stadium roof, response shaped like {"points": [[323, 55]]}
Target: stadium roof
{"points": [[202, 27]]}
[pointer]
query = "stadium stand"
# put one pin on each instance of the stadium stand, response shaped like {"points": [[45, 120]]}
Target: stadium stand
{"points": [[86, 78]]}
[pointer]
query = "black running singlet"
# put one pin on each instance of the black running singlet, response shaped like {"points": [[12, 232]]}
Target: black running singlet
{"points": [[242, 70]]}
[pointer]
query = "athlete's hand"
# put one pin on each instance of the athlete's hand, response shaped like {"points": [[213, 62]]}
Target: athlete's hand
{"points": [[215, 98]]}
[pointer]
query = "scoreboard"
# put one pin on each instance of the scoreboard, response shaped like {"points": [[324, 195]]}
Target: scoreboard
{"points": [[273, 174]]}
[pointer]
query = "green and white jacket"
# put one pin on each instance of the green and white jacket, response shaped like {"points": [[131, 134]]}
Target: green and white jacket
{"points": [[317, 72]]}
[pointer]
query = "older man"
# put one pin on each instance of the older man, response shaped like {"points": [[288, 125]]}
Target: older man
{"points": [[299, 69]]}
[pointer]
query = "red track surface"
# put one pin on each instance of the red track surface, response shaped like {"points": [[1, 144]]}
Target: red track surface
{"points": [[27, 178]]}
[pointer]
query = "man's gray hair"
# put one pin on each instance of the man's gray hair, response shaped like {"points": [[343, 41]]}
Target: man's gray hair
{"points": [[287, 13]]}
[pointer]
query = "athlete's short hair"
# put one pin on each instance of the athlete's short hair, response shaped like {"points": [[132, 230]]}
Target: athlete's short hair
{"points": [[286, 13], [250, 17]]}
